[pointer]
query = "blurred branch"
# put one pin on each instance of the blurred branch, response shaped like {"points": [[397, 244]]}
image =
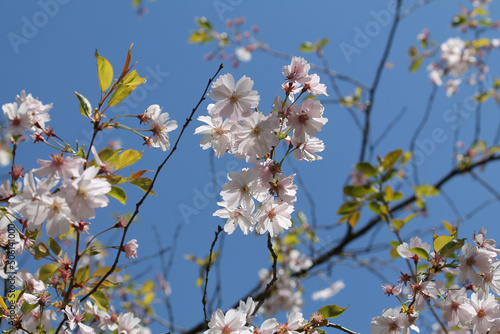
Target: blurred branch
{"points": [[419, 129], [376, 81]]}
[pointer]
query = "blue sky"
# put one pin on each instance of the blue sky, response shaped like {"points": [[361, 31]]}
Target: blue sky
{"points": [[47, 48]]}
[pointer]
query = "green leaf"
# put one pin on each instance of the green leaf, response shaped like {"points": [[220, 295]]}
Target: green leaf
{"points": [[426, 190], [448, 249], [204, 23], [128, 84], [410, 217], [306, 47], [323, 42], [480, 11], [103, 270], [41, 251], [354, 218], [391, 158], [415, 64], [482, 97], [398, 223], [496, 83], [441, 241], [199, 36], [388, 193], [420, 252], [119, 194], [375, 207], [85, 107], [17, 295], [46, 271], [82, 275], [104, 72], [54, 246], [127, 158], [397, 196], [388, 176], [348, 207], [100, 299], [367, 169], [358, 191], [331, 311], [144, 183], [458, 20], [27, 307], [481, 42]]}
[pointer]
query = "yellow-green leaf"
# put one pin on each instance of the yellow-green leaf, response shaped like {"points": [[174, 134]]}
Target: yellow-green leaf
{"points": [[451, 247], [103, 271], [127, 158], [82, 275], [367, 169], [3, 305], [85, 107], [449, 227], [354, 218], [41, 251], [119, 194], [148, 298], [398, 223], [481, 42], [147, 286], [348, 207], [126, 86], [331, 311], [100, 299], [104, 72], [441, 241], [46, 271], [391, 158], [54, 246], [143, 183], [420, 252]]}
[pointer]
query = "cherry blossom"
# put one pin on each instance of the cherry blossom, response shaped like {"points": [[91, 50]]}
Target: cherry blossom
{"points": [[86, 193], [216, 134], [130, 249], [456, 309], [274, 217], [235, 217], [241, 189], [18, 119], [160, 126], [391, 322], [233, 101], [233, 322], [309, 121]]}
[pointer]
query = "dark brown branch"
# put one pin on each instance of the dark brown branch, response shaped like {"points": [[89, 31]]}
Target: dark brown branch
{"points": [[204, 299], [267, 292]]}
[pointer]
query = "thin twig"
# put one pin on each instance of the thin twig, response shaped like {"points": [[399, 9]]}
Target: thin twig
{"points": [[267, 292], [419, 129], [378, 76], [341, 328], [386, 131], [204, 299]]}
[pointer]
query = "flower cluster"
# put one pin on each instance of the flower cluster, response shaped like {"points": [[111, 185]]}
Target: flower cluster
{"points": [[468, 305], [235, 126], [240, 321]]}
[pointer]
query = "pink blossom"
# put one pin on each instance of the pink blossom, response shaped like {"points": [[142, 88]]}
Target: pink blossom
{"points": [[130, 249], [233, 101]]}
